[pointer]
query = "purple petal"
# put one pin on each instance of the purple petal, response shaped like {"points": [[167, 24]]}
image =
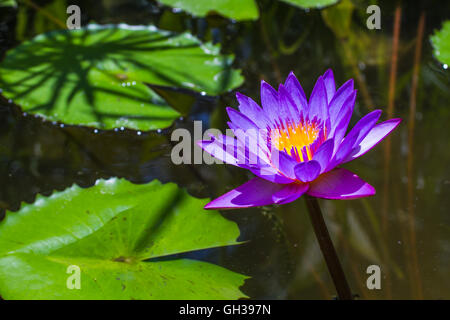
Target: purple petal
{"points": [[240, 120], [295, 89], [258, 192], [218, 149], [232, 151], [269, 173], [343, 151], [307, 171], [378, 133], [340, 184], [342, 120], [269, 101], [357, 134], [287, 109], [338, 100], [318, 104], [324, 153], [285, 163], [330, 86], [253, 139], [252, 110]]}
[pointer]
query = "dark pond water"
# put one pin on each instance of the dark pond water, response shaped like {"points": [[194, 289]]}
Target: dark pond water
{"points": [[404, 228]]}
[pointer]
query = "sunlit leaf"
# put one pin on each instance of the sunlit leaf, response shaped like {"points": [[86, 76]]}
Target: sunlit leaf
{"points": [[306, 4], [233, 9], [96, 76], [8, 3], [236, 9], [116, 232], [441, 43]]}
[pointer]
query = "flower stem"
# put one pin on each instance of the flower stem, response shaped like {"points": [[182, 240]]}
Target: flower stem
{"points": [[327, 248]]}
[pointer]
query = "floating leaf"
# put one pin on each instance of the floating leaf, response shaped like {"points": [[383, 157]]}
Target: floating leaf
{"points": [[116, 233], [441, 43], [233, 9], [307, 4], [236, 9], [96, 76]]}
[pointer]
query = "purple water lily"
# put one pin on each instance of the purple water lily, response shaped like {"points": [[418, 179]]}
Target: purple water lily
{"points": [[309, 140]]}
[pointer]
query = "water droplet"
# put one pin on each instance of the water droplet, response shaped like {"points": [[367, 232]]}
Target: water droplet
{"points": [[61, 125], [203, 93], [116, 129], [159, 130], [138, 133], [445, 66], [95, 130], [122, 128]]}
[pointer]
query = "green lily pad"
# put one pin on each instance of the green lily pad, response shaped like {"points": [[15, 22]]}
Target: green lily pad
{"points": [[308, 4], [236, 9], [96, 76], [441, 43], [116, 233], [233, 9]]}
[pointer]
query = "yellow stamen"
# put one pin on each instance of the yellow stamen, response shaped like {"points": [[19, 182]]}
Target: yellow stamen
{"points": [[299, 135]]}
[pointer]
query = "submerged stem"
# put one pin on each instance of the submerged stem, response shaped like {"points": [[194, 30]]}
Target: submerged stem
{"points": [[327, 248]]}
